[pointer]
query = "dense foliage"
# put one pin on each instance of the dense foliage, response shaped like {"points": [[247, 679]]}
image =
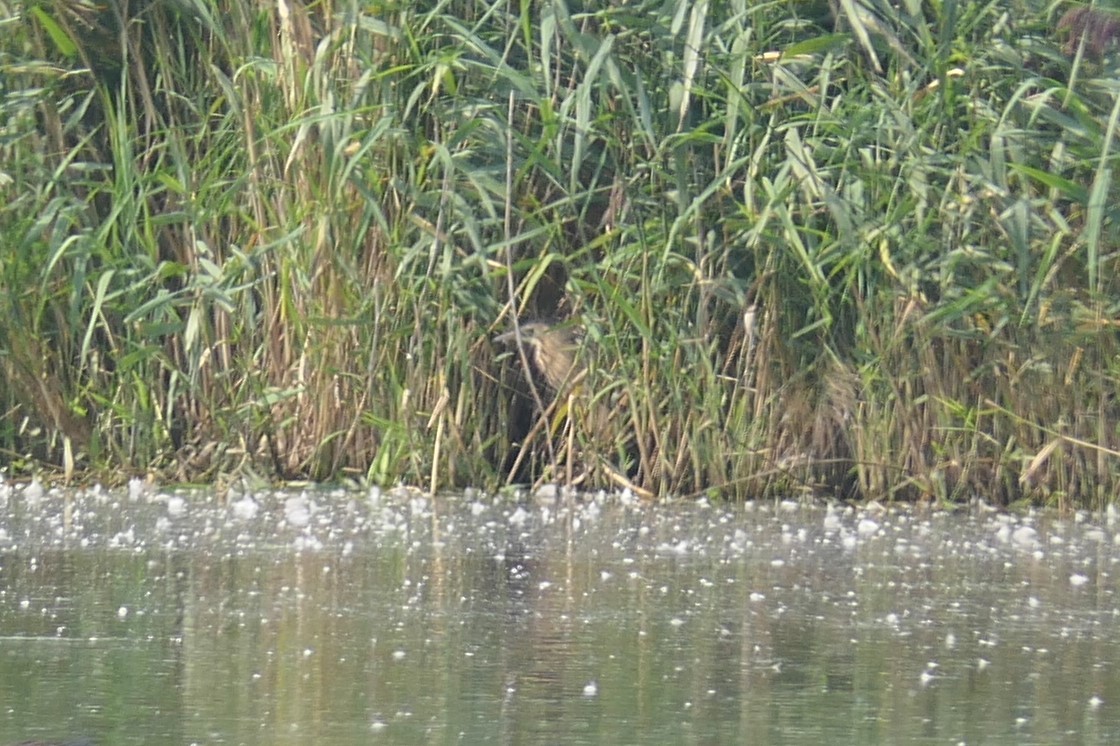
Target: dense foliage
{"points": [[863, 247]]}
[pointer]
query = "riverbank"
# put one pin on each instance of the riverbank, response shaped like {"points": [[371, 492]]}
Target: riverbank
{"points": [[859, 255]]}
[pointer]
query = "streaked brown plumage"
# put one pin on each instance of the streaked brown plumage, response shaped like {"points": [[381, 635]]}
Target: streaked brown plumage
{"points": [[551, 350], [1100, 30]]}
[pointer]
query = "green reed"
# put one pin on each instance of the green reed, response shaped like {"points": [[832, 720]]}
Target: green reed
{"points": [[863, 253]]}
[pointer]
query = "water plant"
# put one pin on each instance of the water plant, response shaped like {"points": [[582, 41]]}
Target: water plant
{"points": [[856, 247]]}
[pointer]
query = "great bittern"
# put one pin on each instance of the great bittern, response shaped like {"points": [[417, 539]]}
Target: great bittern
{"points": [[1099, 29], [551, 350]]}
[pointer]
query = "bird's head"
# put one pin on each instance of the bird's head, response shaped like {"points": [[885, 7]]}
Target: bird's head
{"points": [[550, 348]]}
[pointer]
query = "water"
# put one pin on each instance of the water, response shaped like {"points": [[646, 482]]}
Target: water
{"points": [[334, 617]]}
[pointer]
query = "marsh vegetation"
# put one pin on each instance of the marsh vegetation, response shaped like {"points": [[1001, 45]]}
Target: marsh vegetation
{"points": [[861, 248]]}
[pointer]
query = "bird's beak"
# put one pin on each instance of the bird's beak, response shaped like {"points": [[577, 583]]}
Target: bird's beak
{"points": [[509, 337]]}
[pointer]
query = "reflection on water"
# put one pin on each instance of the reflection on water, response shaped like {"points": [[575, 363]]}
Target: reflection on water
{"points": [[338, 618]]}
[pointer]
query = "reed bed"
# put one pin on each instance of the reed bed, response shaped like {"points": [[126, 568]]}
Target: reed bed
{"points": [[851, 249]]}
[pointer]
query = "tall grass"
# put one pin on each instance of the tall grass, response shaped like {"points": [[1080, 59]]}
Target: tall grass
{"points": [[866, 251]]}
